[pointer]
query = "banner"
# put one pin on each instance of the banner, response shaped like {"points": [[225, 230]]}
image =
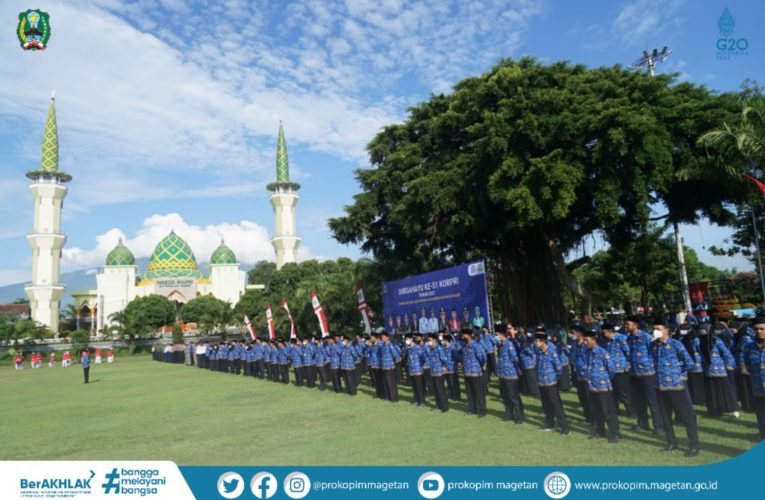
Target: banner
{"points": [[363, 308], [320, 314], [270, 322], [451, 299], [249, 326], [293, 333]]}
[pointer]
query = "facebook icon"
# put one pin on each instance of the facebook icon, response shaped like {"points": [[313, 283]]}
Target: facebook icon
{"points": [[263, 485]]}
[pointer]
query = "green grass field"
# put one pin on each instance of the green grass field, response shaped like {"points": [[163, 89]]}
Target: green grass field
{"points": [[137, 409]]}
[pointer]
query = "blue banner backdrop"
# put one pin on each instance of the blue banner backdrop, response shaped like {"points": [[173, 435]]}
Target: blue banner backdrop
{"points": [[448, 298]]}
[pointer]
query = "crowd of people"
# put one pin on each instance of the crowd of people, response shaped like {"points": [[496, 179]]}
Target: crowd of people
{"points": [[36, 359], [656, 377]]}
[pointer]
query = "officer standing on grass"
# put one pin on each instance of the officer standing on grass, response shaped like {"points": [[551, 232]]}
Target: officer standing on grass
{"points": [[451, 375], [642, 377], [507, 371], [437, 357], [548, 369], [754, 360], [670, 360], [599, 371], [616, 345], [387, 355], [85, 359], [348, 357], [473, 359]]}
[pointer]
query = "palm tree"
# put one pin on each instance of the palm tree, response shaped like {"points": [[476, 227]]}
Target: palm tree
{"points": [[745, 140]]}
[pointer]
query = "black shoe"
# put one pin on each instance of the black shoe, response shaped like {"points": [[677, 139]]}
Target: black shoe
{"points": [[638, 427], [519, 422], [668, 448], [658, 432], [444, 411], [691, 452], [506, 419], [614, 440], [565, 433], [481, 415]]}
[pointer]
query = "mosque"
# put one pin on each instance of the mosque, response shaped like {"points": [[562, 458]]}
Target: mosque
{"points": [[172, 271]]}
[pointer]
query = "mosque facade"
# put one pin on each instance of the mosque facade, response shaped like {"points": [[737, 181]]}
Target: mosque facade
{"points": [[172, 271]]}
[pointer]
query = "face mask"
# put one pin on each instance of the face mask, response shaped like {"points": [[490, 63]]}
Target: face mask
{"points": [[657, 334]]}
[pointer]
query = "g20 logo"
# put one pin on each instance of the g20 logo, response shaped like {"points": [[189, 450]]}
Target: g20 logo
{"points": [[732, 44]]}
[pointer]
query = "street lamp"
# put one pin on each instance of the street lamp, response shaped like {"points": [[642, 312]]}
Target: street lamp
{"points": [[649, 60]]}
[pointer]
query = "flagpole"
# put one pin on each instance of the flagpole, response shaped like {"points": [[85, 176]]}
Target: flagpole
{"points": [[759, 255]]}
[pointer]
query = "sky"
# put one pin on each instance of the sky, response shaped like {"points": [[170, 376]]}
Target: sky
{"points": [[168, 110]]}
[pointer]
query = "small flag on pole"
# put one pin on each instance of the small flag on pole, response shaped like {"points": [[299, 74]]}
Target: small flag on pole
{"points": [[363, 308], [758, 183], [270, 322], [320, 314], [249, 326], [293, 333]]}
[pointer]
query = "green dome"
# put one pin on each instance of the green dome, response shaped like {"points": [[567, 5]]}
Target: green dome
{"points": [[223, 255], [120, 256], [172, 258]]}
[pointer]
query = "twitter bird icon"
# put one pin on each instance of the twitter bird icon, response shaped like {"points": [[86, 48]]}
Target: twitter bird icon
{"points": [[230, 485]]}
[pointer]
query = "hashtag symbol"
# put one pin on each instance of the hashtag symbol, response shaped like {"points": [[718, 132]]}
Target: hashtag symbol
{"points": [[112, 482]]}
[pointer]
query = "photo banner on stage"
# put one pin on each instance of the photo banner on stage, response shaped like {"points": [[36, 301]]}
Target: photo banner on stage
{"points": [[448, 298]]}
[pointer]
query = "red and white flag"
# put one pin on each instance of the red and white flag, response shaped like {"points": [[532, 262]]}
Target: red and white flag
{"points": [[270, 322], [364, 308], [758, 183], [293, 334], [320, 314], [249, 326]]}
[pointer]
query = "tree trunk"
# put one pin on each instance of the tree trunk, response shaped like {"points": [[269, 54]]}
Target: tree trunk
{"points": [[532, 282]]}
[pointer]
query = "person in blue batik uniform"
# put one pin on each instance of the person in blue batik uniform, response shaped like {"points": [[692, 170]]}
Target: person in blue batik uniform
{"points": [[600, 371], [565, 355], [333, 350], [642, 377], [754, 358], [717, 363], [388, 355], [507, 371], [616, 345], [85, 360], [414, 369], [372, 352], [322, 362], [309, 368], [348, 356], [283, 360], [670, 361], [579, 351], [528, 358], [275, 374], [489, 344], [548, 370], [451, 374], [437, 357], [296, 358], [249, 361], [742, 378], [473, 360]]}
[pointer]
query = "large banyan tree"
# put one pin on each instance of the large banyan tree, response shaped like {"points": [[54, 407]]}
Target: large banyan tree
{"points": [[522, 163]]}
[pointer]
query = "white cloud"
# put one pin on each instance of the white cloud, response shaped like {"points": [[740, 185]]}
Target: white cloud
{"points": [[249, 241], [13, 276], [644, 21]]}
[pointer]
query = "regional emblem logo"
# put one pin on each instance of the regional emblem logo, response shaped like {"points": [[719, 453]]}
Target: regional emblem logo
{"points": [[34, 29]]}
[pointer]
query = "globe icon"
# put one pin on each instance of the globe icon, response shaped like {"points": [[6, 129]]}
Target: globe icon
{"points": [[557, 485]]}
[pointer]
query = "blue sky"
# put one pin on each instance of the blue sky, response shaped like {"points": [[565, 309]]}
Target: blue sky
{"points": [[168, 110]]}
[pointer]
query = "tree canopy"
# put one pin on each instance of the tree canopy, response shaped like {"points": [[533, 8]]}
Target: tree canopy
{"points": [[518, 165]]}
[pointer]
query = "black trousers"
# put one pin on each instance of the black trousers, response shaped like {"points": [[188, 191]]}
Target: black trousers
{"points": [[439, 392], [260, 368], [758, 404], [191, 359], [603, 408], [680, 403], [418, 389], [323, 372], [349, 377], [311, 376], [391, 386], [491, 363], [623, 392], [584, 400], [285, 373], [398, 372], [199, 361], [299, 375], [510, 391], [248, 369], [337, 384], [552, 407], [453, 383], [237, 366], [426, 380], [86, 373], [643, 397], [475, 395], [378, 381]]}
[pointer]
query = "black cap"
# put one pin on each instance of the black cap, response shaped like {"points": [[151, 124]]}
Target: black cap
{"points": [[578, 328], [447, 336], [433, 336], [632, 318], [592, 334], [659, 321], [500, 328], [466, 331], [608, 326], [540, 334], [384, 334], [759, 320]]}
